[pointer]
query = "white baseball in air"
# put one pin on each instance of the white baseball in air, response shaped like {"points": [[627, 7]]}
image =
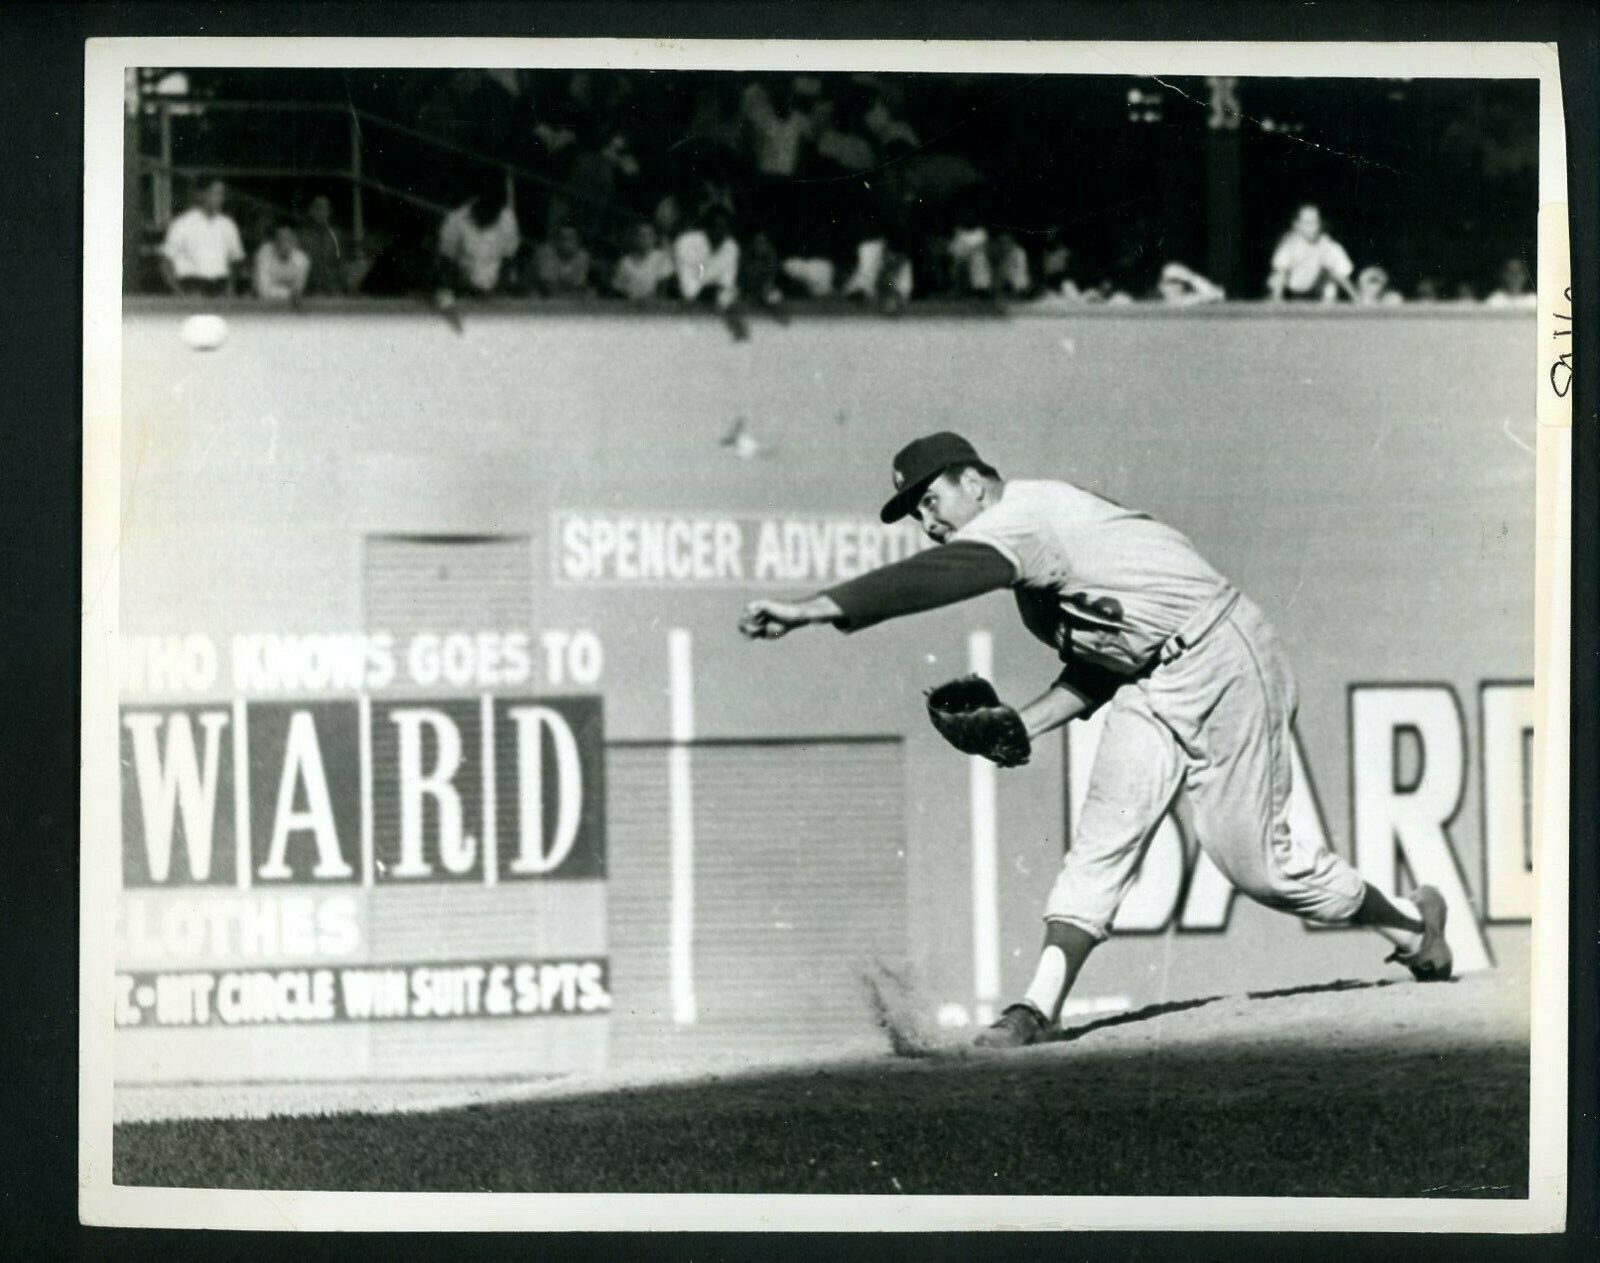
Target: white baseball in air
{"points": [[205, 333]]}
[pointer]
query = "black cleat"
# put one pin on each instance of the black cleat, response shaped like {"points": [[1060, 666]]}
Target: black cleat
{"points": [[1020, 1025], [1432, 960]]}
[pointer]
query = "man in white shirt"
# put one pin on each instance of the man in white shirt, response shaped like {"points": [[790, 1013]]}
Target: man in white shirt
{"points": [[640, 272], [1309, 264], [707, 260], [477, 239], [202, 247], [282, 267]]}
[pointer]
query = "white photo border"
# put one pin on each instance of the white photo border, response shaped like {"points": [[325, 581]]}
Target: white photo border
{"points": [[103, 1203]]}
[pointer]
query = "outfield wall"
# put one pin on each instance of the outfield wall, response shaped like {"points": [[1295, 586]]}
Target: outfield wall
{"points": [[534, 544]]}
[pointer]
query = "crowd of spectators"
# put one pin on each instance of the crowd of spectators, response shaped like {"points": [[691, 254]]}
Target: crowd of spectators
{"points": [[775, 190]]}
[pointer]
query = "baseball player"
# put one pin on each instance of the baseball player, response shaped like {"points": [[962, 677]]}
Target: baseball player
{"points": [[1199, 703]]}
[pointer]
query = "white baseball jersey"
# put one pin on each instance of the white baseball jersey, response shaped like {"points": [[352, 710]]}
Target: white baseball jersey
{"points": [[1115, 580]]}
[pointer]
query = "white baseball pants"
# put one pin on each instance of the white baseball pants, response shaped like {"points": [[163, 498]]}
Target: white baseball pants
{"points": [[1212, 725]]}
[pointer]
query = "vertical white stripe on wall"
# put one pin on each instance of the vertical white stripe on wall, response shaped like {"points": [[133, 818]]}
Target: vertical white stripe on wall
{"points": [[985, 864], [364, 739], [680, 791], [491, 847], [241, 796]]}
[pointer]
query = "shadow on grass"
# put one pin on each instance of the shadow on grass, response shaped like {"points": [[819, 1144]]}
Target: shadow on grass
{"points": [[1149, 1011]]}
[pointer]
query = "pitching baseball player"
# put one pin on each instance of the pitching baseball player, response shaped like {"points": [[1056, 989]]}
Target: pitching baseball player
{"points": [[1199, 702]]}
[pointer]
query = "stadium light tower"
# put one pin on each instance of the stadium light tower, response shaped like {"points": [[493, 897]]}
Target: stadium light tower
{"points": [[1224, 212]]}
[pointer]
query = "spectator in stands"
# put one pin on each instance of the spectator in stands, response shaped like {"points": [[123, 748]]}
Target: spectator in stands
{"points": [[1516, 286], [885, 126], [759, 271], [561, 264], [776, 129], [774, 126], [715, 123], [1181, 286], [1008, 266], [1430, 289], [971, 271], [1308, 263], [282, 267], [1107, 291], [598, 176], [1373, 287], [839, 138], [325, 248], [812, 276], [882, 275], [1055, 262], [202, 247], [707, 260], [667, 217], [478, 239], [643, 266]]}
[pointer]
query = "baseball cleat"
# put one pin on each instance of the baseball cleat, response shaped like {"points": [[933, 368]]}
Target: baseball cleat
{"points": [[1432, 960], [1020, 1025]]}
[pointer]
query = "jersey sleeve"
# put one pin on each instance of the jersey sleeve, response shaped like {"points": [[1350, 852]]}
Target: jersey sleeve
{"points": [[923, 581], [1010, 529]]}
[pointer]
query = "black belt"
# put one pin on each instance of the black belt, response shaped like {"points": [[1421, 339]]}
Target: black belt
{"points": [[1198, 626]]}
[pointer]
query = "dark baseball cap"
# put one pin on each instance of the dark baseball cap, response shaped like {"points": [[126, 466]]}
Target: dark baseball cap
{"points": [[921, 461]]}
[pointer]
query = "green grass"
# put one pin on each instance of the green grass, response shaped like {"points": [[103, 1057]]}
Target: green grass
{"points": [[1067, 1119]]}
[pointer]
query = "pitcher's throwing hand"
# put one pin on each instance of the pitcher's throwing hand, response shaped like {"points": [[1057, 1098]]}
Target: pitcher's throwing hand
{"points": [[767, 620]]}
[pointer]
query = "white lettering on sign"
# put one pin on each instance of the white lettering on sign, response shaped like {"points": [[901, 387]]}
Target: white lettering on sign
{"points": [[650, 550], [663, 549], [459, 989], [1411, 821], [373, 993], [297, 995], [532, 855], [341, 662], [480, 659], [168, 664], [176, 782], [313, 663], [456, 851], [572, 656], [302, 765], [160, 928]]}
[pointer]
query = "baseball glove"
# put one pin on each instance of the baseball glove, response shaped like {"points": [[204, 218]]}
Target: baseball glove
{"points": [[970, 715]]}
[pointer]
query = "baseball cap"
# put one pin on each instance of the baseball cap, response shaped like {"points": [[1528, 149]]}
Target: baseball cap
{"points": [[918, 463]]}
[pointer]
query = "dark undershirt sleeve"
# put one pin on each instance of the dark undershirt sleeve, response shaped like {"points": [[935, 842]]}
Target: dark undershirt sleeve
{"points": [[1091, 683], [923, 581]]}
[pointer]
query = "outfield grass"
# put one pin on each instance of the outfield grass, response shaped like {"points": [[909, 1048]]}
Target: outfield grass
{"points": [[1269, 1095]]}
